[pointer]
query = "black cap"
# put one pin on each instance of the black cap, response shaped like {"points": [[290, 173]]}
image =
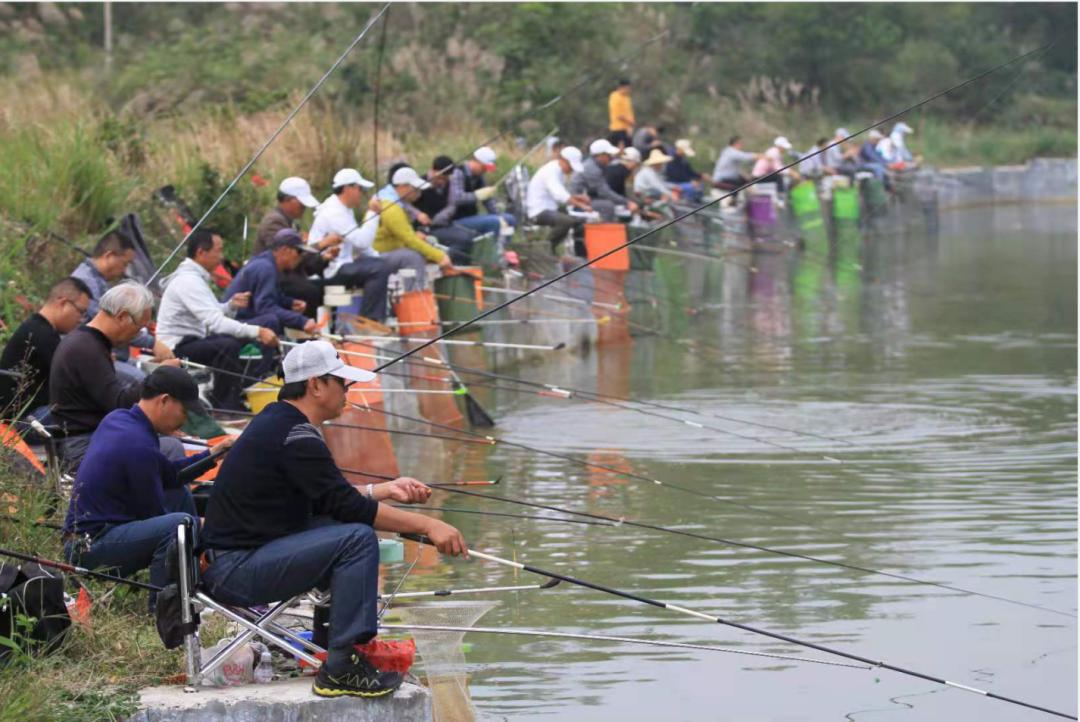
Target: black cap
{"points": [[441, 163], [287, 237], [176, 383]]}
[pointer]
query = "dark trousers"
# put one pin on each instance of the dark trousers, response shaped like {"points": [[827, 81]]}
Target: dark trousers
{"points": [[561, 224], [127, 548], [458, 239], [371, 274], [619, 137], [328, 554], [303, 288], [223, 352]]}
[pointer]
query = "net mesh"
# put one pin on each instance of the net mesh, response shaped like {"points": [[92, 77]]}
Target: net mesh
{"points": [[441, 653]]}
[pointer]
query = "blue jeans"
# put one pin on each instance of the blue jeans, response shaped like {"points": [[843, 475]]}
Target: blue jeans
{"points": [[127, 548], [343, 557], [691, 192], [485, 223]]}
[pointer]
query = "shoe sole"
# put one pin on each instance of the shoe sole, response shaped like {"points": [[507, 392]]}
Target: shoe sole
{"points": [[327, 692]]}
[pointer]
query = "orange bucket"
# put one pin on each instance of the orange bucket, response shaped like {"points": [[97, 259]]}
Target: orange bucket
{"points": [[366, 392], [416, 312], [601, 238]]}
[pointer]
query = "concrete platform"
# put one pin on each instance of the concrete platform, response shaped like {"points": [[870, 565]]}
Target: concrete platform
{"points": [[287, 700]]}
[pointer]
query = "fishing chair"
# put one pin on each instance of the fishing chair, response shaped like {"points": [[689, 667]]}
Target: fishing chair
{"points": [[255, 623]]}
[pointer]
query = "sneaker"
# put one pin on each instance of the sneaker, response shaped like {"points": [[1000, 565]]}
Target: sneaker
{"points": [[361, 679]]}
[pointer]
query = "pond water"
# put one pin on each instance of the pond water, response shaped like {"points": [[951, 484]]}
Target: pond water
{"points": [[941, 371]]}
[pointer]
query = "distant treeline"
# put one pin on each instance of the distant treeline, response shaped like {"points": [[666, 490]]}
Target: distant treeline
{"points": [[494, 60]]}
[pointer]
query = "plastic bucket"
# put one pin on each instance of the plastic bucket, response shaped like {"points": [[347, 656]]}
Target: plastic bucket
{"points": [[874, 194], [459, 297], [263, 393], [416, 312], [485, 252], [603, 237], [845, 204], [804, 199]]}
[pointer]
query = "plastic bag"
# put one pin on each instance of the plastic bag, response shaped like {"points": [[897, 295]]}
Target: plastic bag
{"points": [[238, 669]]}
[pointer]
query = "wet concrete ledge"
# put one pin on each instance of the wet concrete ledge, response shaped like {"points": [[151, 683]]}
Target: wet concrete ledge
{"points": [[1039, 180], [287, 700]]}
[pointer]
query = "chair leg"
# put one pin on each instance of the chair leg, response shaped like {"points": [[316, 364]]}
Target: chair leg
{"points": [[252, 629], [192, 648]]}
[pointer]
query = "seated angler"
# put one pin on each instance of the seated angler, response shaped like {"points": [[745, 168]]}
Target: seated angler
{"points": [[680, 174], [283, 520], [435, 214], [649, 182], [267, 305], [547, 193], [728, 172], [107, 264], [590, 181], [294, 197], [770, 163], [395, 237], [83, 385], [468, 190], [195, 325], [870, 160], [620, 174], [30, 350], [128, 498]]}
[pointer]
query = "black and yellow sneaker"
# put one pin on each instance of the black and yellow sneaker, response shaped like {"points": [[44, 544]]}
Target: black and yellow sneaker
{"points": [[360, 679]]}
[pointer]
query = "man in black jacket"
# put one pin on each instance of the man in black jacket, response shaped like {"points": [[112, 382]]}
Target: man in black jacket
{"points": [[283, 519]]}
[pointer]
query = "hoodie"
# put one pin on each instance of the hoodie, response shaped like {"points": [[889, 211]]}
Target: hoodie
{"points": [[190, 308]]}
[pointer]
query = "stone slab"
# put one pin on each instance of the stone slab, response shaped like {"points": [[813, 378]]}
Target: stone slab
{"points": [[287, 700]]}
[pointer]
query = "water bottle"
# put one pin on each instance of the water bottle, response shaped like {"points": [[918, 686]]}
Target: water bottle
{"points": [[265, 671]]}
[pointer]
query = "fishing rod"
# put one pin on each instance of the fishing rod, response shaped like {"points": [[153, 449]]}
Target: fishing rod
{"points": [[619, 521], [745, 627], [258, 154], [508, 322], [476, 512], [377, 89], [608, 638], [523, 158], [688, 214], [77, 570], [565, 299], [455, 342], [478, 590]]}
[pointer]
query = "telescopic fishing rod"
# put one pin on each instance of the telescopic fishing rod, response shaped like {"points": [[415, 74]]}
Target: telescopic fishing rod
{"points": [[77, 570], [608, 638], [622, 520], [744, 627], [688, 214], [258, 154]]}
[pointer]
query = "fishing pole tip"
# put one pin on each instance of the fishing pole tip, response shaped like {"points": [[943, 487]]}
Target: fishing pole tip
{"points": [[559, 346], [832, 459]]}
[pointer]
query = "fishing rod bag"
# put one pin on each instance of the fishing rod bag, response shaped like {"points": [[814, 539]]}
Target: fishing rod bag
{"points": [[33, 615]]}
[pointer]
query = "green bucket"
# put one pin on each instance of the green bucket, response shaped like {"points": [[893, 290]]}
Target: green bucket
{"points": [[456, 296], [804, 199], [845, 204], [874, 194], [485, 252]]}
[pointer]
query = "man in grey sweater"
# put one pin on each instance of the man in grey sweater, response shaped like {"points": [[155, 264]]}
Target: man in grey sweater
{"points": [[195, 325], [590, 181]]}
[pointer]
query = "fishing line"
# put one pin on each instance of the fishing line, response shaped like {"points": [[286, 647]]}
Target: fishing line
{"points": [[745, 627], [243, 171], [688, 214]]}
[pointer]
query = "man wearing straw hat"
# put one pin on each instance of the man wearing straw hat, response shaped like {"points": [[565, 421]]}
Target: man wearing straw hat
{"points": [[283, 519], [649, 185]]}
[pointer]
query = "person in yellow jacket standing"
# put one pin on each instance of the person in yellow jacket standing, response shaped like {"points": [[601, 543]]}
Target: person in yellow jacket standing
{"points": [[396, 237], [621, 115]]}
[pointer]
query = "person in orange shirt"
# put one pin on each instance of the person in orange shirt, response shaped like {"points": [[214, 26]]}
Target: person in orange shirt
{"points": [[620, 115]]}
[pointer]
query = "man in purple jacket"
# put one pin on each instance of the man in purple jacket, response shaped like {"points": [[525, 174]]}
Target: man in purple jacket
{"points": [[269, 307]]}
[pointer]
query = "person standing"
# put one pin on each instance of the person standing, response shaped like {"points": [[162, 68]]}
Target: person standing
{"points": [[621, 115]]}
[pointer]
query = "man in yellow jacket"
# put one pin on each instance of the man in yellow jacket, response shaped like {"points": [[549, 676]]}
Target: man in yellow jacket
{"points": [[396, 235], [621, 115]]}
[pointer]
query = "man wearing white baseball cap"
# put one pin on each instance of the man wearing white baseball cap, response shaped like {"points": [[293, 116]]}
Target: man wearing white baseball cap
{"points": [[547, 192], [396, 240], [590, 181], [772, 160], [358, 264], [294, 197], [284, 520], [468, 191]]}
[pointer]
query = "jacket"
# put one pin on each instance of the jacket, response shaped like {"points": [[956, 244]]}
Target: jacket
{"points": [[190, 308]]}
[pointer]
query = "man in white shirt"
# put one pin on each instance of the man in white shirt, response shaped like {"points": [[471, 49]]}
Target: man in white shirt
{"points": [[358, 264], [547, 192], [195, 325]]}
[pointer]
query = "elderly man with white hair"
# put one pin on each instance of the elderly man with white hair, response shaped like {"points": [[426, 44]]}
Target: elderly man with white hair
{"points": [[590, 181], [83, 386]]}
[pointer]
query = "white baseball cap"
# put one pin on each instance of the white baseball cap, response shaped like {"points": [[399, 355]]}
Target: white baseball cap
{"points": [[601, 146], [782, 142], [875, 133], [902, 127], [408, 176], [486, 156], [841, 133], [632, 154], [299, 189], [351, 177], [318, 358], [683, 144], [572, 156]]}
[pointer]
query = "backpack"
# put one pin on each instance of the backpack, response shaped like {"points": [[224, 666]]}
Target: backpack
{"points": [[32, 591]]}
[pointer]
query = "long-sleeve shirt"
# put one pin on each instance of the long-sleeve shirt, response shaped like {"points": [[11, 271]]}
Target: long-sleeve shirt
{"points": [[88, 273], [395, 230], [649, 184], [616, 175], [29, 351], [620, 111], [358, 239], [124, 476], [812, 166], [259, 277], [679, 170], [729, 164], [591, 180], [190, 308], [83, 386], [900, 149], [462, 195], [277, 476], [546, 191], [270, 224], [770, 161], [868, 154]]}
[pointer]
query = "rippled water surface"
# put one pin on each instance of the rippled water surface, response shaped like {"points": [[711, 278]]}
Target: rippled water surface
{"points": [[940, 372]]}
